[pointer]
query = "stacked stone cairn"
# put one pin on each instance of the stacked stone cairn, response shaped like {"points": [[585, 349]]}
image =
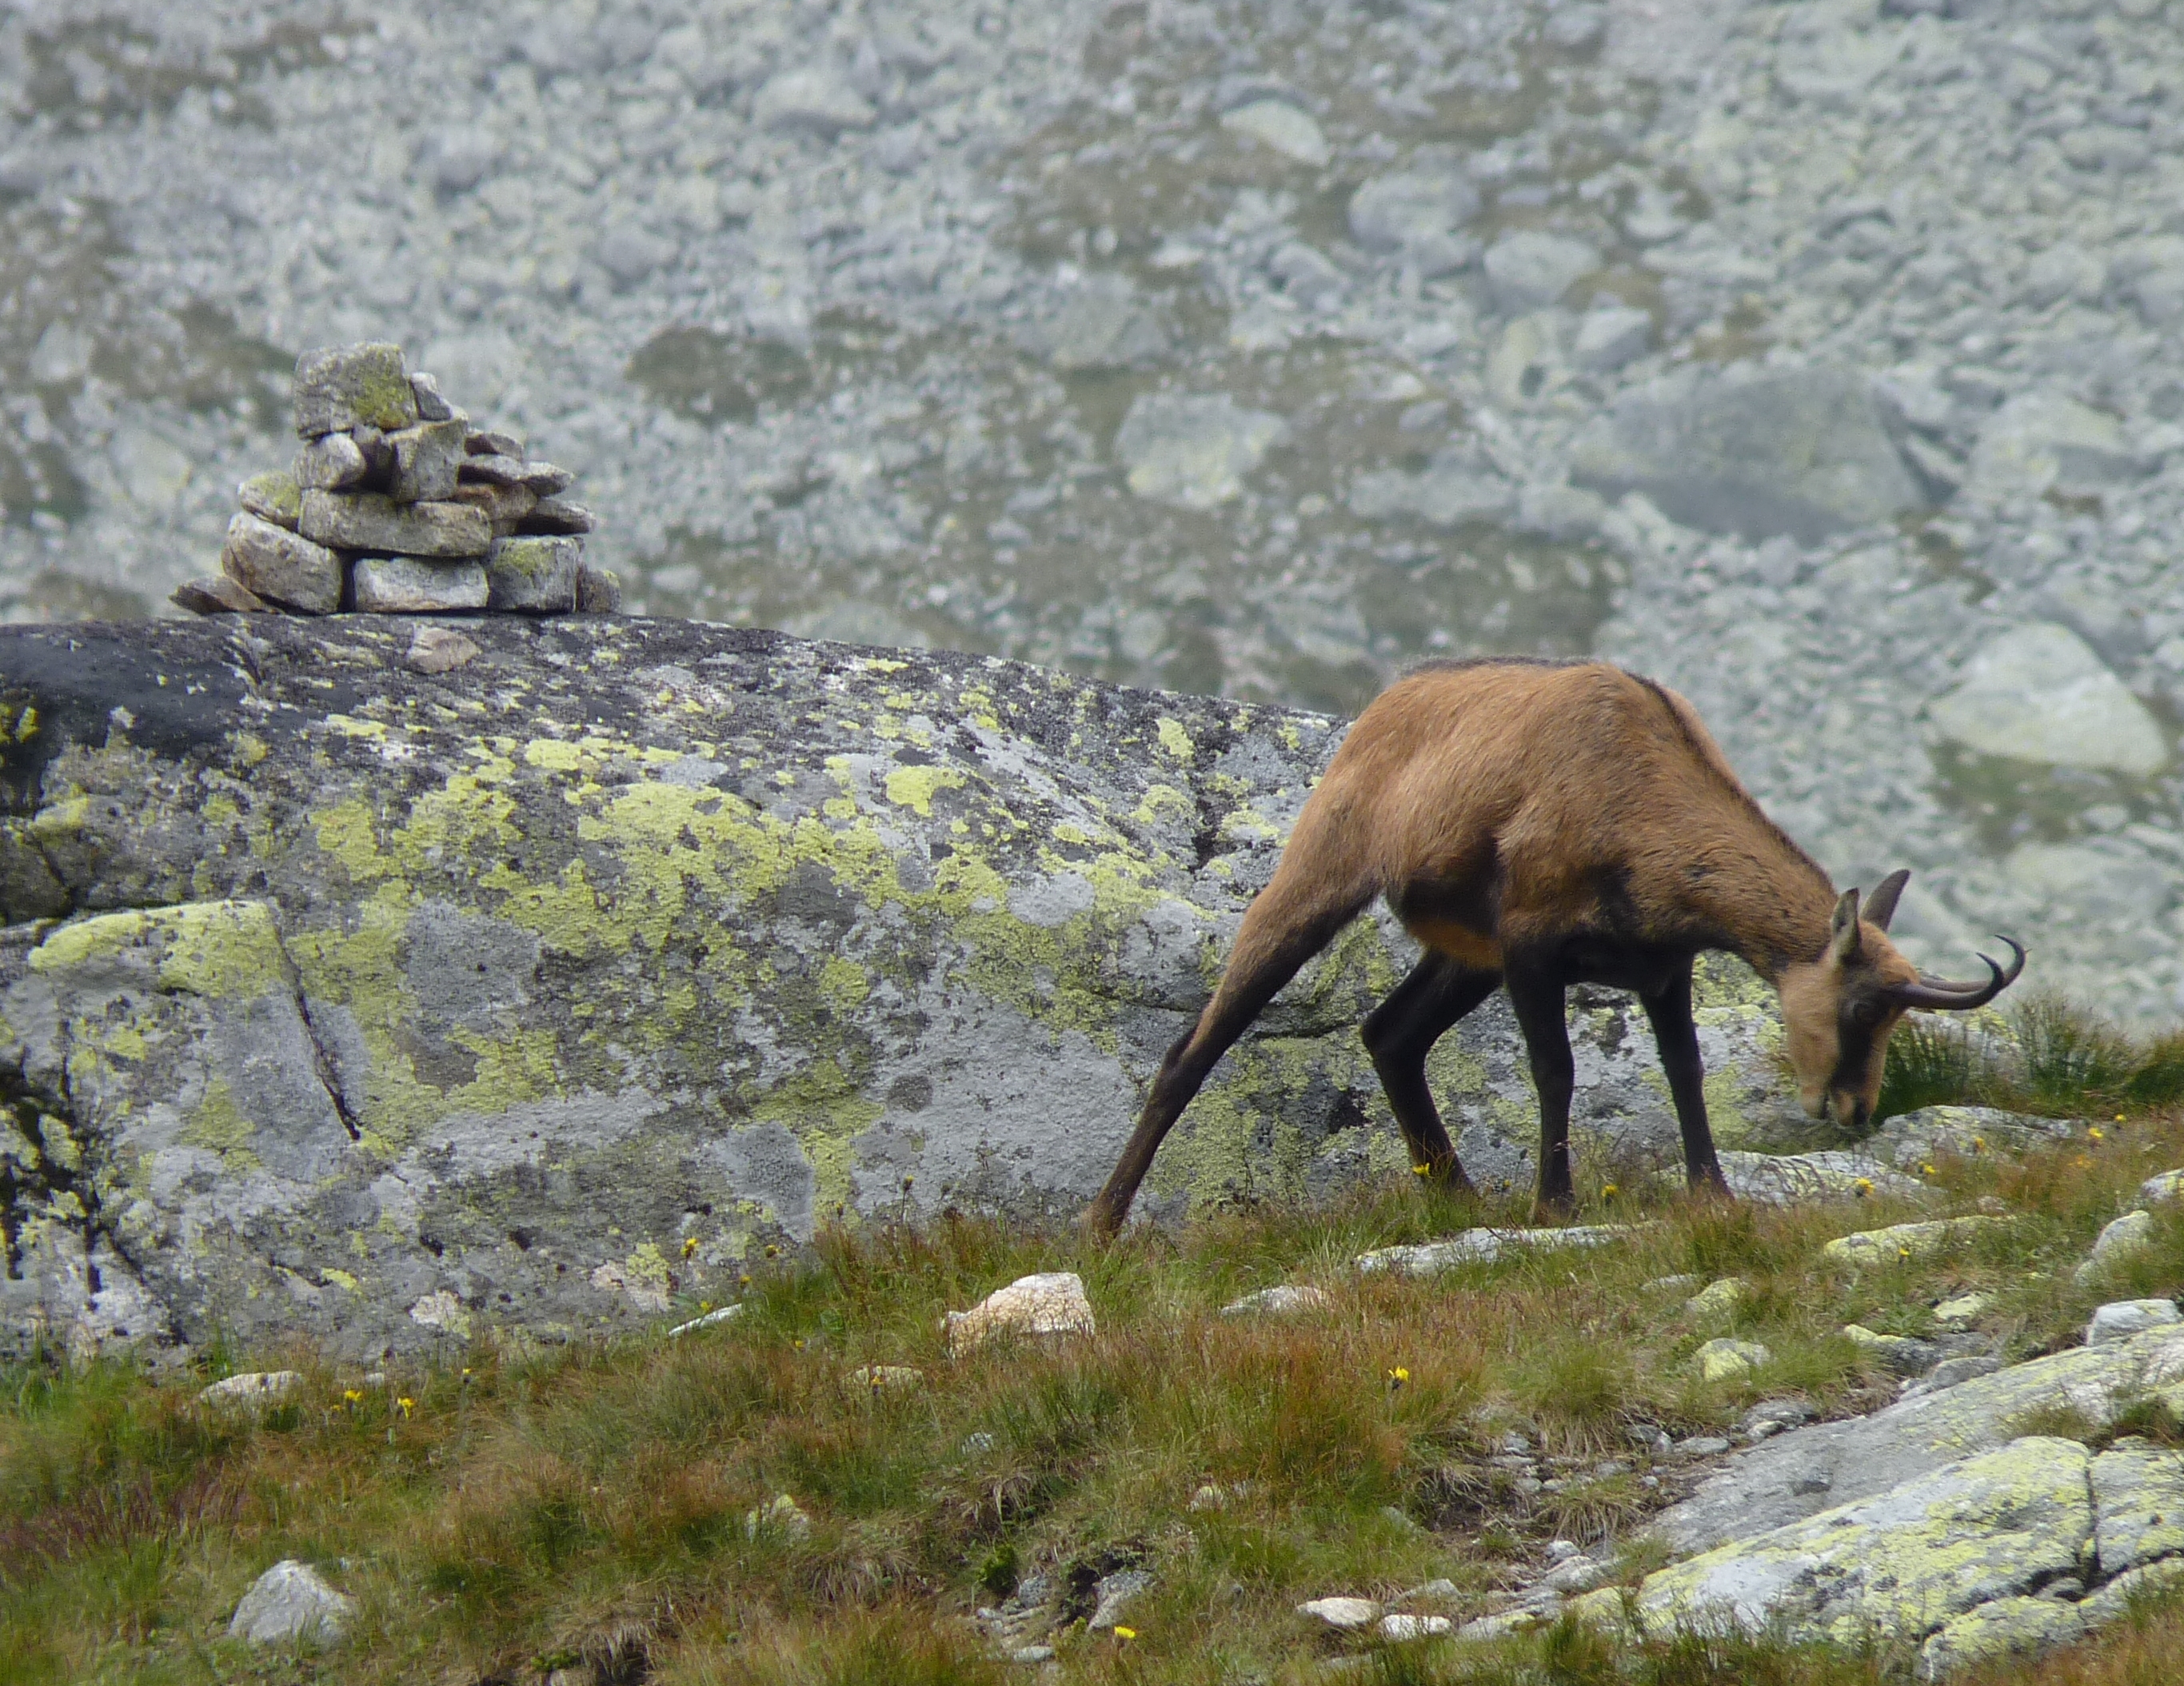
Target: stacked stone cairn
{"points": [[398, 506]]}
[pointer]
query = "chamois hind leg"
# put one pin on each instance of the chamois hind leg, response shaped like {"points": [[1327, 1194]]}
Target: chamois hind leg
{"points": [[1678, 1038], [1401, 1032], [1290, 920], [1536, 994]]}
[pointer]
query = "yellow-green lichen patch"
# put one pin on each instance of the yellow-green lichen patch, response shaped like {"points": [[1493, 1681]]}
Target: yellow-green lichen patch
{"points": [[218, 1125], [219, 950], [1176, 741], [915, 787]]}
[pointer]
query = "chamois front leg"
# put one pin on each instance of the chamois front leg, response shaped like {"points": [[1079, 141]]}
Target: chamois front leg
{"points": [[1536, 994], [1677, 1036], [1401, 1032]]}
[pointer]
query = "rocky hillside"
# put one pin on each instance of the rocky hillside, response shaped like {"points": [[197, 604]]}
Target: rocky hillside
{"points": [[1819, 359]]}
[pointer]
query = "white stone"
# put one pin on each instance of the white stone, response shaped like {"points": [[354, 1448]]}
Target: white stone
{"points": [[1051, 1303], [1191, 449], [2138, 1499], [1288, 129], [1448, 492], [1871, 1248], [2164, 1189], [1530, 269], [411, 585], [884, 1378], [2120, 1319], [251, 1387], [1415, 213], [1718, 1300], [1482, 1246], [783, 1516], [711, 1320], [290, 1602], [2038, 692], [1285, 1301], [1400, 1628], [816, 99], [1345, 1614]]}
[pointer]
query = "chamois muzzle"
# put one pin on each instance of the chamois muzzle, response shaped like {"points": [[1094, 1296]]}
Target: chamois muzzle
{"points": [[1953, 997]]}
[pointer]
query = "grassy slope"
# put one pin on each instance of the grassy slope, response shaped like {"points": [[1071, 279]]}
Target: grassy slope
{"points": [[589, 1508]]}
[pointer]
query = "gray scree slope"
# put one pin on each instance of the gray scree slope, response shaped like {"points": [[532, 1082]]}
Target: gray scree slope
{"points": [[383, 1005], [862, 319]]}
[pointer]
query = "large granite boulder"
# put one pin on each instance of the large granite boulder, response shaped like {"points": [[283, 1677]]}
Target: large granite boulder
{"points": [[381, 989]]}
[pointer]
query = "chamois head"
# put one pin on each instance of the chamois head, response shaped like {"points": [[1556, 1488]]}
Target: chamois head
{"points": [[1841, 1009]]}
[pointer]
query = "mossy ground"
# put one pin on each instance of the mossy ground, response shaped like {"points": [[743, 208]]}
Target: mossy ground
{"points": [[513, 1512]]}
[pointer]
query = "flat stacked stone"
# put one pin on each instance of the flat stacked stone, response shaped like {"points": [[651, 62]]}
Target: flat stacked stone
{"points": [[396, 505]]}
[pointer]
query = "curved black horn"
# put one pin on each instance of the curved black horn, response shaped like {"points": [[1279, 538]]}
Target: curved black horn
{"points": [[1881, 905], [1953, 997]]}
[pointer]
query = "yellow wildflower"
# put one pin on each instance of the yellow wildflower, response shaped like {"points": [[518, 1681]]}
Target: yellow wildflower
{"points": [[1864, 1185], [1420, 1170], [351, 1396], [1398, 1376], [1122, 1632], [689, 1245], [1925, 1170], [2096, 1132], [2119, 1118], [406, 1405], [1610, 1192]]}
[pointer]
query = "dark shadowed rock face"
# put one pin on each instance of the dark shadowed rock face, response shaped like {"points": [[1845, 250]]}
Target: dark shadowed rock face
{"points": [[382, 1006]]}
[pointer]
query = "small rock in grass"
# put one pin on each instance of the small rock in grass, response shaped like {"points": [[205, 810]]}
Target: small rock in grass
{"points": [[348, 385], [1051, 1303], [275, 497], [1952, 1371], [1561, 1550], [332, 463], [1284, 1301], [711, 1320], [884, 1378], [1344, 1615], [1208, 1497], [407, 585], [281, 566], [598, 590], [783, 1516], [290, 1602], [425, 459], [2158, 1191], [1728, 1360], [1781, 1413], [1702, 1446], [371, 520], [534, 576], [2122, 1317], [2131, 1233], [1030, 1654], [1113, 1595], [215, 594], [251, 1387], [1440, 1588], [1717, 1301], [558, 516], [1901, 1243], [1962, 1312], [1578, 1574], [1399, 1629], [431, 406], [438, 650], [1899, 1353]]}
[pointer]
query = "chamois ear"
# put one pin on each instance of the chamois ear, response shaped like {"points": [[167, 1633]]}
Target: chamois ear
{"points": [[1843, 937], [1881, 905]]}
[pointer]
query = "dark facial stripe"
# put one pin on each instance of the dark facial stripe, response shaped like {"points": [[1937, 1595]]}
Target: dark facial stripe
{"points": [[1853, 1056]]}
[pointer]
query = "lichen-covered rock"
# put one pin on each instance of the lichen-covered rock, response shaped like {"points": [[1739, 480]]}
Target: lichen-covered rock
{"points": [[353, 386], [409, 585], [1796, 1474], [2123, 1239], [2121, 1319], [274, 497], [1902, 1563], [281, 566], [533, 575], [372, 520], [427, 457], [1875, 1249], [2021, 1627], [1725, 1361], [1834, 1174], [1482, 1246], [488, 989], [215, 594], [2138, 1492]]}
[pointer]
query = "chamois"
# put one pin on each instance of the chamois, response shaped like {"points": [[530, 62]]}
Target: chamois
{"points": [[1535, 825]]}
